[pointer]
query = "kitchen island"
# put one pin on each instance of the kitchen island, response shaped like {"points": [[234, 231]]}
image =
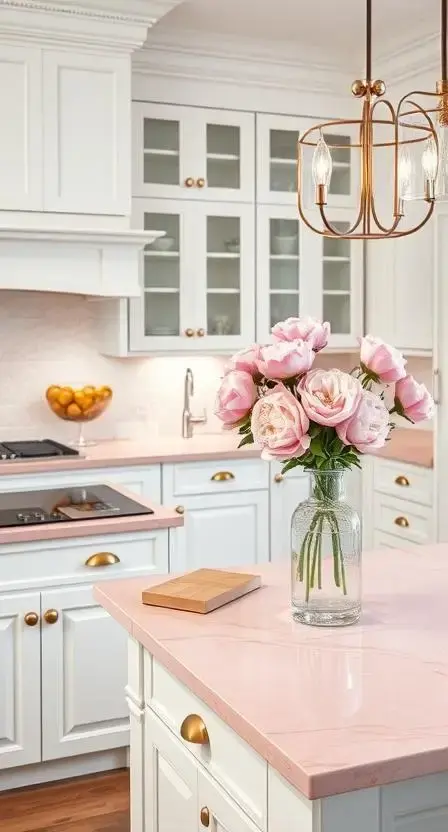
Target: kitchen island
{"points": [[244, 720]]}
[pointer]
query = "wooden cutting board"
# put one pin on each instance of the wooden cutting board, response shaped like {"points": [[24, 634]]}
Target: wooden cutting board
{"points": [[201, 591]]}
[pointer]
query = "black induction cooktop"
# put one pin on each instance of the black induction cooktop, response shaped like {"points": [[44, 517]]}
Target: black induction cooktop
{"points": [[32, 508], [35, 449]]}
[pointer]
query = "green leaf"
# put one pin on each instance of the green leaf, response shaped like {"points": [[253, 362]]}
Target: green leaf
{"points": [[314, 429], [316, 447], [291, 463], [246, 440]]}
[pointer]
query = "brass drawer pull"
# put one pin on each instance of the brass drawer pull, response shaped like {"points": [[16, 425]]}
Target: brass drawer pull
{"points": [[102, 559], [278, 478], [51, 616], [222, 476], [200, 182], [189, 332], [31, 619], [200, 333], [189, 182], [401, 480], [180, 509], [193, 730], [403, 522], [205, 816]]}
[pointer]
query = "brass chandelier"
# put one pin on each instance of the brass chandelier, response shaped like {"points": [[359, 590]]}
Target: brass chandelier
{"points": [[384, 138]]}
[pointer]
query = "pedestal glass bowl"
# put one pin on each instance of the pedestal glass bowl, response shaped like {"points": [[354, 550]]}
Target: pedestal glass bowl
{"points": [[79, 404]]}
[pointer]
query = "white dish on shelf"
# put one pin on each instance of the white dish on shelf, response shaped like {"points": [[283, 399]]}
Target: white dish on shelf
{"points": [[163, 330], [284, 245], [163, 244], [232, 246]]}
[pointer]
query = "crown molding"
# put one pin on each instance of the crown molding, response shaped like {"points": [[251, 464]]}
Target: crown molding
{"points": [[210, 56], [410, 59]]}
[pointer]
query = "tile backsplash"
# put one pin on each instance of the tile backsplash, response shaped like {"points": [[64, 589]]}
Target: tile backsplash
{"points": [[53, 339]]}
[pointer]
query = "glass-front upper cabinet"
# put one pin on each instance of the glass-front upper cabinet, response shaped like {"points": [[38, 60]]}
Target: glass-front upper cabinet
{"points": [[193, 153], [198, 280], [277, 162], [301, 273]]}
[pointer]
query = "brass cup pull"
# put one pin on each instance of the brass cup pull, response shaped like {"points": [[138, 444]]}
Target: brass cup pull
{"points": [[189, 182], [180, 509], [200, 182], [205, 816], [51, 616], [278, 478], [403, 522], [189, 332], [222, 476], [102, 559], [401, 480], [200, 333], [193, 730], [31, 619]]}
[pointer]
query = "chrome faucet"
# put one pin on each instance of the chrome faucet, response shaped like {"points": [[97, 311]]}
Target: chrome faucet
{"points": [[187, 419]]}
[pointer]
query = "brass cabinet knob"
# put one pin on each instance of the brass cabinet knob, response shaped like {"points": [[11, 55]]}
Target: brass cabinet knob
{"points": [[222, 476], [193, 730], [200, 183], [189, 182], [189, 332], [180, 509], [403, 522], [200, 333], [205, 816], [278, 478], [31, 619], [51, 616], [401, 480], [102, 559]]}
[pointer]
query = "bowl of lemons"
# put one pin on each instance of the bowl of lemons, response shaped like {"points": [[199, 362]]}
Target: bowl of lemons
{"points": [[78, 404]]}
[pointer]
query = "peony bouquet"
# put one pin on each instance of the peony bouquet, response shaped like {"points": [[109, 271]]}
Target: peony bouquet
{"points": [[320, 419]]}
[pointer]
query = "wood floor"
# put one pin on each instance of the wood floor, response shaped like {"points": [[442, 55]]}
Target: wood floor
{"points": [[98, 803]]}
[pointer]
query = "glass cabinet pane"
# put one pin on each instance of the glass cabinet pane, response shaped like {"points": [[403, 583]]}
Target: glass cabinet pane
{"points": [[284, 269], [162, 276], [223, 156], [283, 160], [160, 151], [223, 276], [337, 282]]}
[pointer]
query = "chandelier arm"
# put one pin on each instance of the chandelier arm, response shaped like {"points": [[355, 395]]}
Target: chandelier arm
{"points": [[396, 214], [333, 231], [431, 206]]}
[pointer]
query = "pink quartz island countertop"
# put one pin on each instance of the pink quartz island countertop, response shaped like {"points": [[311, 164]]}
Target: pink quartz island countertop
{"points": [[163, 518], [333, 710]]}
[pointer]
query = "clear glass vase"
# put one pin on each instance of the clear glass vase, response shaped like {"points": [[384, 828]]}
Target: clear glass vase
{"points": [[326, 555]]}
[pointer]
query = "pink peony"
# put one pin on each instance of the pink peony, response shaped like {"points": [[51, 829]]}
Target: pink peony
{"points": [[235, 397], [413, 400], [285, 359], [329, 397], [246, 360], [382, 361], [314, 332], [279, 425], [369, 427]]}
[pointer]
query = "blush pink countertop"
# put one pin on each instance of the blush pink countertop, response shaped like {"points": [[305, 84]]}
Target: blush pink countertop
{"points": [[124, 452], [163, 518], [333, 710]]}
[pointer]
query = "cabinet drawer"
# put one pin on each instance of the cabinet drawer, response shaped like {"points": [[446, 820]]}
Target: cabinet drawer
{"points": [[141, 479], [227, 757], [214, 477], [408, 482], [407, 521], [51, 562], [384, 540]]}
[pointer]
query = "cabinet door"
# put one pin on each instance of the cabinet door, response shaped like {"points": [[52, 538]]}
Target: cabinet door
{"points": [[84, 666], [21, 133], [277, 138], [162, 317], [191, 153], [171, 792], [20, 682], [87, 133], [222, 813], [222, 530], [287, 491]]}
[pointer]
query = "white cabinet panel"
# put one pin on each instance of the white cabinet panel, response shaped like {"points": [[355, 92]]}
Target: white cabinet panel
{"points": [[171, 789], [20, 682], [415, 806], [223, 813], [21, 133], [86, 133], [222, 531], [84, 665], [141, 479], [287, 492]]}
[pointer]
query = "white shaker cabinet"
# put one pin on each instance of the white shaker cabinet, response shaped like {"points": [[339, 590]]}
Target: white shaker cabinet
{"points": [[21, 136], [83, 675], [20, 687], [287, 491], [218, 810]]}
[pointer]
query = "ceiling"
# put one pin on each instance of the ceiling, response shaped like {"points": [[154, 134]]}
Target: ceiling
{"points": [[332, 30]]}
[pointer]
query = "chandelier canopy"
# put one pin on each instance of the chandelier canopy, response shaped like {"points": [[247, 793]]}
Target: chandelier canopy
{"points": [[386, 141]]}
